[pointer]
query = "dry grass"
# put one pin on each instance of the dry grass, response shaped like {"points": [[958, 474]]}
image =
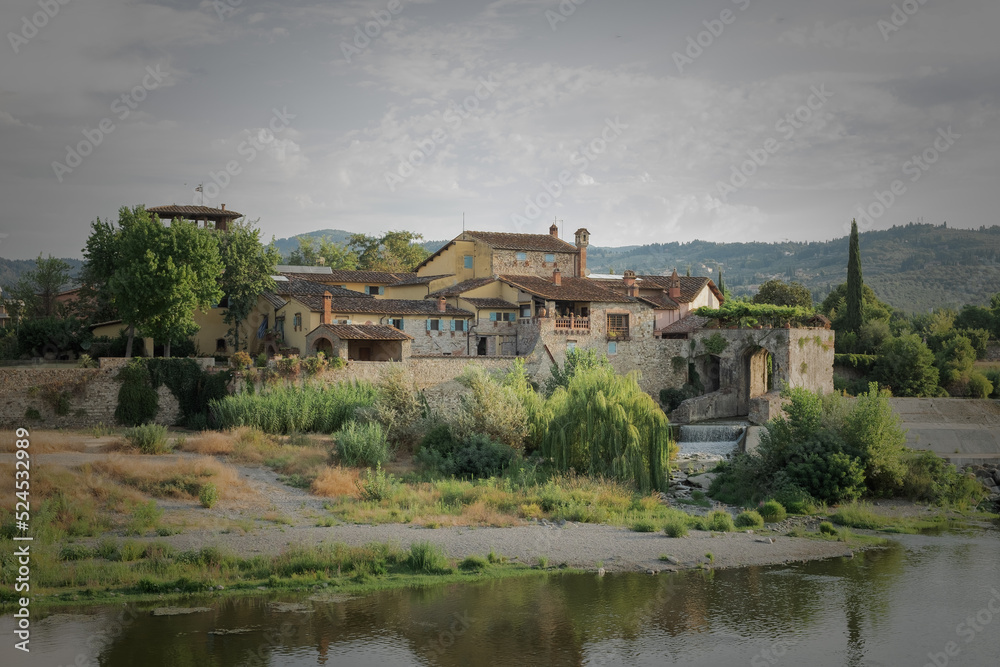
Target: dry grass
{"points": [[332, 482], [43, 442], [78, 485], [172, 478]]}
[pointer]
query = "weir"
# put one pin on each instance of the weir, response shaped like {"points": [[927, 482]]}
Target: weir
{"points": [[714, 438]]}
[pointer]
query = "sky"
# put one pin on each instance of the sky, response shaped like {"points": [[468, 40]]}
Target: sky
{"points": [[721, 120]]}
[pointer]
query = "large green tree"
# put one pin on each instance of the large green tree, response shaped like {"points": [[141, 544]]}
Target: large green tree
{"points": [[780, 293], [37, 288], [101, 257], [248, 267], [312, 251], [393, 251], [906, 365], [853, 316], [159, 275]]}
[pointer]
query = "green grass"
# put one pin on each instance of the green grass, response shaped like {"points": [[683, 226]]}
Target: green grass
{"points": [[285, 410], [676, 528], [749, 519], [720, 521], [148, 438], [427, 557]]}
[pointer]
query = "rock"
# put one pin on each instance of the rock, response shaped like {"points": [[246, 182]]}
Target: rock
{"points": [[704, 480], [601, 572], [652, 571], [849, 554]]}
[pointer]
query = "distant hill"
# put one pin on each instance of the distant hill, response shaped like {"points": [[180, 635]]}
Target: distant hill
{"points": [[915, 267], [11, 270]]}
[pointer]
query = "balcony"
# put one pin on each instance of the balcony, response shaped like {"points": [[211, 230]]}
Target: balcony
{"points": [[618, 333], [576, 325]]}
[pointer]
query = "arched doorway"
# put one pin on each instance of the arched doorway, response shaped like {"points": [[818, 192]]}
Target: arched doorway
{"points": [[323, 345]]}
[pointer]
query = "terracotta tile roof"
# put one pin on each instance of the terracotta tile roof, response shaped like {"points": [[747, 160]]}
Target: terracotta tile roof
{"points": [[192, 212], [357, 276], [274, 300], [659, 300], [491, 303], [688, 324], [414, 279], [462, 287], [691, 286], [364, 332], [572, 289], [535, 242], [363, 304], [300, 287]]}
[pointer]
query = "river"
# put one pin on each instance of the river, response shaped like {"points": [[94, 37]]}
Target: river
{"points": [[925, 600]]}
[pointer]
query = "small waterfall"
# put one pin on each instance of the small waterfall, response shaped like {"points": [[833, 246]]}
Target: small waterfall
{"points": [[717, 439]]}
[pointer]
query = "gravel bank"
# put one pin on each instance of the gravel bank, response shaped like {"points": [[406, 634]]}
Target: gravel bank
{"points": [[578, 545]]}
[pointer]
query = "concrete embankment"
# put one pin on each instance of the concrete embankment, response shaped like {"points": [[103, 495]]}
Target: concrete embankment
{"points": [[965, 431]]}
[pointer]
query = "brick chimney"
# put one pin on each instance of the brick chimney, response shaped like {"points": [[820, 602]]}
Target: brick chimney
{"points": [[442, 304], [629, 279], [557, 276], [554, 230], [327, 308], [582, 241], [674, 290], [223, 206]]}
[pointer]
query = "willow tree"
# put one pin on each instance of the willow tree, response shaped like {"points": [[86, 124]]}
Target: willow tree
{"points": [[602, 423]]}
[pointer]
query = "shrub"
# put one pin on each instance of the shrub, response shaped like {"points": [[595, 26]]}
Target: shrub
{"points": [[362, 444], [857, 516], [281, 410], [673, 397], [427, 557], [241, 361], [208, 495], [772, 511], [481, 457], [825, 472], [720, 521], [375, 486], [75, 552], [827, 528], [931, 478], [129, 551], [749, 519], [86, 361], [315, 364], [137, 399], [643, 526], [474, 562], [675, 528], [148, 438]]}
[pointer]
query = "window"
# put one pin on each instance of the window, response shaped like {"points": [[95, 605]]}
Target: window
{"points": [[396, 322], [433, 325], [570, 346], [526, 310], [468, 261], [458, 325], [550, 258], [521, 256], [612, 347], [375, 290], [618, 326], [279, 325], [297, 322], [502, 317]]}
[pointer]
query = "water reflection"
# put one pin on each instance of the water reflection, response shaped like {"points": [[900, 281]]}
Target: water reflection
{"points": [[872, 609]]}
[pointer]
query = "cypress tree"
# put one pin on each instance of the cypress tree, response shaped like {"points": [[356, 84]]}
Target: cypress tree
{"points": [[855, 284]]}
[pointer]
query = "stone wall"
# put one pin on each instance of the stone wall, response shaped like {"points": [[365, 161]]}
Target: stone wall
{"points": [[88, 396], [505, 262]]}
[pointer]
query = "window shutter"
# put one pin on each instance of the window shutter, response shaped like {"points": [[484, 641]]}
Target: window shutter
{"points": [[453, 325], [493, 317], [381, 290], [428, 325]]}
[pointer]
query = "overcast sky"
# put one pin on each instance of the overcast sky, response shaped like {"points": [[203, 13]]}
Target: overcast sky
{"points": [[638, 120]]}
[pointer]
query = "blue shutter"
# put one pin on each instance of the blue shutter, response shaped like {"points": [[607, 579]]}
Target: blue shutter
{"points": [[493, 317], [453, 325], [381, 290], [400, 324], [428, 325]]}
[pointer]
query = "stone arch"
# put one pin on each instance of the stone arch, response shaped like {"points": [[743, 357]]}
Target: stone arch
{"points": [[324, 345], [760, 374]]}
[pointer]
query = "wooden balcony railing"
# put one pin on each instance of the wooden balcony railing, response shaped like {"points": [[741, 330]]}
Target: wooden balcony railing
{"points": [[572, 324]]}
